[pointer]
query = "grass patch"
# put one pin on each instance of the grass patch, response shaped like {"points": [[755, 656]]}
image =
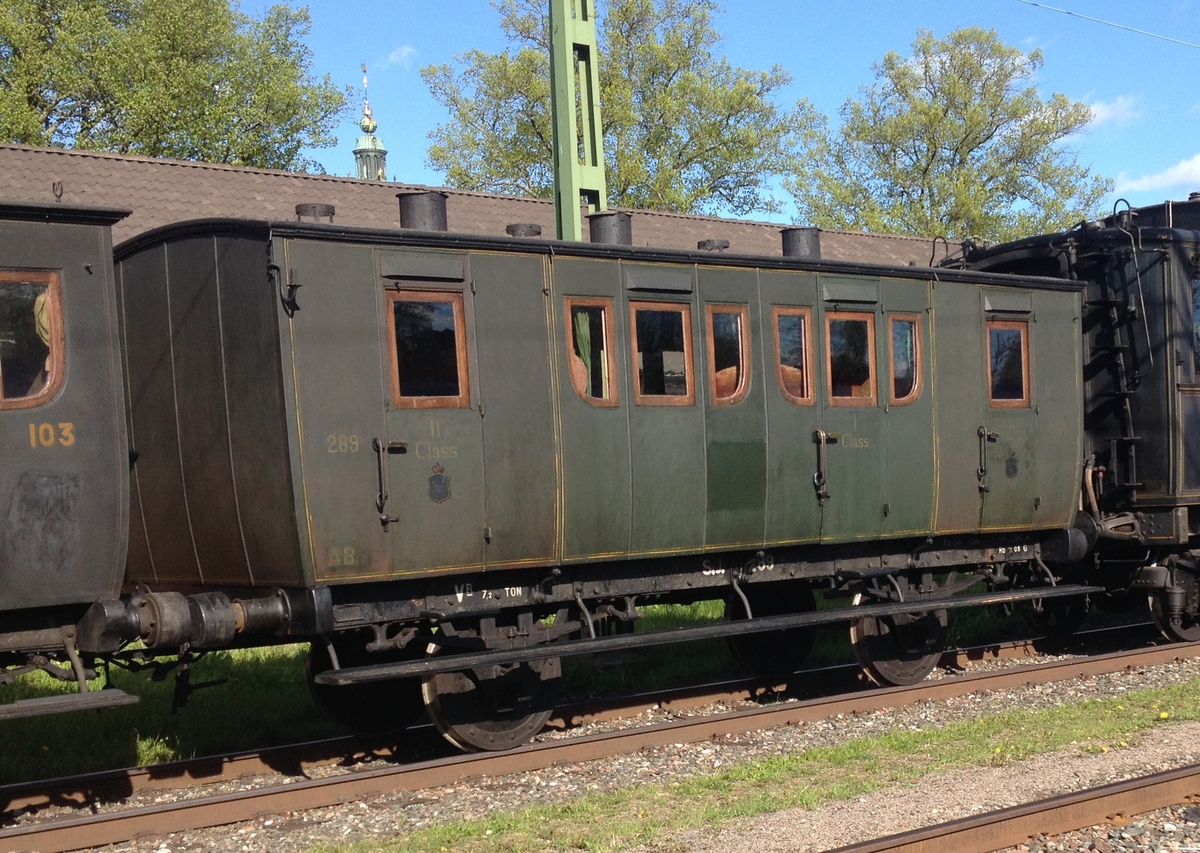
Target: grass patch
{"points": [[647, 813], [265, 703]]}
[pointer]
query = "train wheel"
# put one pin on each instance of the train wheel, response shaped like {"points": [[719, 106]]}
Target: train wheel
{"points": [[1186, 630], [899, 650], [492, 707], [373, 709], [775, 652]]}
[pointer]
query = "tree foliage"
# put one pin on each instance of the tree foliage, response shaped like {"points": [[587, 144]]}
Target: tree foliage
{"points": [[955, 141], [189, 79], [683, 129]]}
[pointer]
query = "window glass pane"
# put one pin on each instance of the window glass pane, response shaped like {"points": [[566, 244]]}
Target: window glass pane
{"points": [[850, 358], [590, 349], [426, 348], [904, 358], [727, 353], [662, 357], [793, 350], [25, 354], [1196, 324], [1008, 368]]}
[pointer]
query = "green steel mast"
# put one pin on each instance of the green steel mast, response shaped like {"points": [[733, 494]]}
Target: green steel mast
{"points": [[575, 103]]}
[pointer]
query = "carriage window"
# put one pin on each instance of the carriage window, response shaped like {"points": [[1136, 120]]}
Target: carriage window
{"points": [[793, 353], [851, 358], [429, 353], [1196, 325], [31, 346], [593, 360], [728, 354], [1008, 363], [906, 359], [662, 352]]}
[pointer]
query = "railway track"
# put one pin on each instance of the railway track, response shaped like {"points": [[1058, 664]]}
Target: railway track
{"points": [[1012, 826], [301, 759], [159, 820]]}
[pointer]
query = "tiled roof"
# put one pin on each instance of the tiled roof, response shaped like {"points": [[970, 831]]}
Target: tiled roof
{"points": [[161, 192]]}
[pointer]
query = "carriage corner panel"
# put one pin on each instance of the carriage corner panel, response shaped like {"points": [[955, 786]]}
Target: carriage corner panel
{"points": [[64, 482], [207, 421]]}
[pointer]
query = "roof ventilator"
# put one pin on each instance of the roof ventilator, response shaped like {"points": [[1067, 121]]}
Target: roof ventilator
{"points": [[802, 243], [524, 229], [423, 210], [712, 245], [611, 227], [313, 212]]}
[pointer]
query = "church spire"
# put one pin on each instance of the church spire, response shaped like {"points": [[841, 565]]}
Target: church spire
{"points": [[370, 157]]}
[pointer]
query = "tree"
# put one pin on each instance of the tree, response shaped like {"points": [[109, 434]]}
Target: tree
{"points": [[683, 129], [190, 79], [954, 141]]}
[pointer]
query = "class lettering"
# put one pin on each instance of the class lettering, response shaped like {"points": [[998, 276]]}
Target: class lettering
{"points": [[428, 450]]}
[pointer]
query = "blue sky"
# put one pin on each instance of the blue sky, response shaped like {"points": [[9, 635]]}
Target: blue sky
{"points": [[1145, 134]]}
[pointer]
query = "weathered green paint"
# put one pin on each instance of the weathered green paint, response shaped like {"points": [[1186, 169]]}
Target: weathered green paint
{"points": [[575, 107], [735, 436], [517, 414]]}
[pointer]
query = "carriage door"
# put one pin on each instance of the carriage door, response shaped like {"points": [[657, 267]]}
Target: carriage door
{"points": [[1007, 433], [789, 340], [907, 396], [431, 498], [854, 454]]}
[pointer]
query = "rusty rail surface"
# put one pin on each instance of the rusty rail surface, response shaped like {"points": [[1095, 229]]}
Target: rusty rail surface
{"points": [[160, 820], [1009, 827]]}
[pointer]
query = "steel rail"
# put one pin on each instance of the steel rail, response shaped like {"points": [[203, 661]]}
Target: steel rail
{"points": [[160, 820], [297, 759], [1009, 827]]}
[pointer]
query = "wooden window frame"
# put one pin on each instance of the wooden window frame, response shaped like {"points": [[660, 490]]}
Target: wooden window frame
{"points": [[53, 281], [743, 386], [777, 311], [872, 365], [918, 359], [1023, 327], [610, 349], [463, 399], [689, 399]]}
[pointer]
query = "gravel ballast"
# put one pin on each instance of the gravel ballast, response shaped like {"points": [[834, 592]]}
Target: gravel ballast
{"points": [[933, 800]]}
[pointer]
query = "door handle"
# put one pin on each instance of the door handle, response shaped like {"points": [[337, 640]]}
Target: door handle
{"points": [[984, 438], [820, 439], [381, 498]]}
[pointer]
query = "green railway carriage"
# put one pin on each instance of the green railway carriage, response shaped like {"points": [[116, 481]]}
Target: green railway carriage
{"points": [[394, 440], [402, 406]]}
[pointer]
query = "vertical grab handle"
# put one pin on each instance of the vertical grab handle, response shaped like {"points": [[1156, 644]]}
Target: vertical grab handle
{"points": [[984, 438], [821, 438], [381, 498]]}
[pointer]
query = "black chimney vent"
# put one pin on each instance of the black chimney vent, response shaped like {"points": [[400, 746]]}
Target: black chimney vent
{"points": [[423, 210], [611, 227], [314, 212], [802, 243]]}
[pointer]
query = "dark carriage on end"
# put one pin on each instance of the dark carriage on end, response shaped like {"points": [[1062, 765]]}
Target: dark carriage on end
{"points": [[64, 472], [1141, 341], [447, 460]]}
